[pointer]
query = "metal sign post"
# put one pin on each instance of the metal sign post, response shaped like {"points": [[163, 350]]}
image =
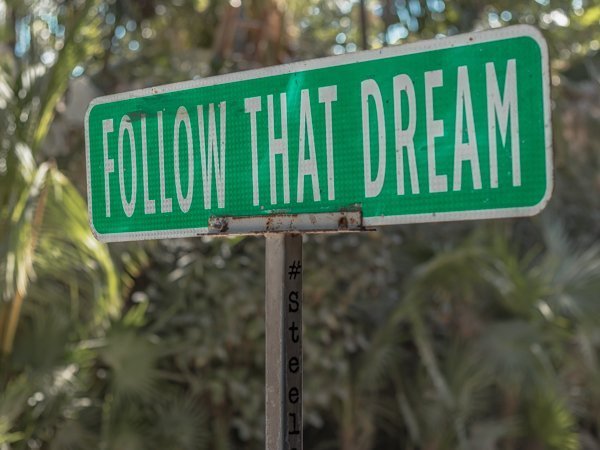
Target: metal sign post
{"points": [[283, 328]]}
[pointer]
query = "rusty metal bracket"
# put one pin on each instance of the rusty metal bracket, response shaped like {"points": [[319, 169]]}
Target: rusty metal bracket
{"points": [[288, 223]]}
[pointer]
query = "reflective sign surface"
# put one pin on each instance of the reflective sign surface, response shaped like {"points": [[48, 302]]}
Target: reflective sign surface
{"points": [[450, 129]]}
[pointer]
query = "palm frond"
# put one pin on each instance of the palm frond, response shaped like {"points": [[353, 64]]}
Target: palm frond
{"points": [[181, 424], [132, 363], [49, 239], [550, 422], [13, 401], [87, 261], [81, 43], [510, 351], [573, 273], [19, 246]]}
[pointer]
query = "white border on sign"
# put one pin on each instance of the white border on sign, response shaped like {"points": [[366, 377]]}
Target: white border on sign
{"points": [[333, 61]]}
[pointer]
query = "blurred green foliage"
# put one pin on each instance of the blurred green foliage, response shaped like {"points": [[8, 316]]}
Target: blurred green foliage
{"points": [[480, 335]]}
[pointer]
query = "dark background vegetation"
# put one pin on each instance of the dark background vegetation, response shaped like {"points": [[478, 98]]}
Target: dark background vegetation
{"points": [[479, 335]]}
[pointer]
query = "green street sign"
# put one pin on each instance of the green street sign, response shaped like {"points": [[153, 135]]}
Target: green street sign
{"points": [[450, 129]]}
